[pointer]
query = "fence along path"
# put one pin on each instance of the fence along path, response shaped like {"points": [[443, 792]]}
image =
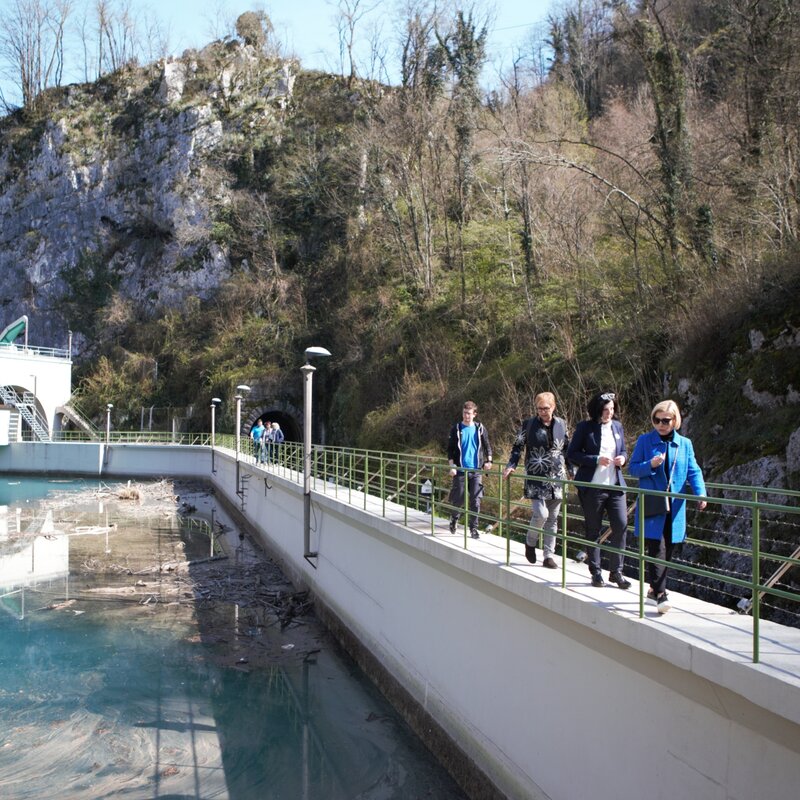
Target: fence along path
{"points": [[393, 486]]}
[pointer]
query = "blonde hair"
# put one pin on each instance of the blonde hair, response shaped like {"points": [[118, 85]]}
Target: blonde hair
{"points": [[548, 397], [668, 407]]}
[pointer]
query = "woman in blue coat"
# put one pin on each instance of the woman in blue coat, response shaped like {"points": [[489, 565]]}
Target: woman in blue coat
{"points": [[663, 458], [598, 450]]}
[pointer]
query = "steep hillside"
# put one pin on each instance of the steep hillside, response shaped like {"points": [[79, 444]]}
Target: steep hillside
{"points": [[198, 222]]}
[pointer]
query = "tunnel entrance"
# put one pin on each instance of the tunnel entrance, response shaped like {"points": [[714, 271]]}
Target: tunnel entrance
{"points": [[289, 423]]}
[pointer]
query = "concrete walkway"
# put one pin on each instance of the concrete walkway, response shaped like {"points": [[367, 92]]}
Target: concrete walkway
{"points": [[693, 626]]}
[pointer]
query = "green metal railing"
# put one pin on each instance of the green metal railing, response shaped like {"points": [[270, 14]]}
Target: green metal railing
{"points": [[135, 437], [406, 485], [377, 480]]}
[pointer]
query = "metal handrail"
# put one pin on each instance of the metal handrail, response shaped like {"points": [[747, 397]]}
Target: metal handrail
{"points": [[135, 437], [387, 476], [48, 352], [396, 480]]}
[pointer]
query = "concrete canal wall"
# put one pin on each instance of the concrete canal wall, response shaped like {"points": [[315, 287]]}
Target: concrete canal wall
{"points": [[525, 689]]}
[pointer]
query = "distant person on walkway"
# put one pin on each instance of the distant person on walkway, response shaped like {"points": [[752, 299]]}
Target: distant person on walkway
{"points": [[664, 460], [545, 439], [257, 435], [468, 449], [598, 450], [265, 442], [276, 439]]}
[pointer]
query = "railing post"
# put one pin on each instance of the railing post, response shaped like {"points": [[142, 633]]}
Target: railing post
{"points": [[366, 478], [506, 510], [565, 486], [383, 463], [756, 596], [465, 473], [405, 483], [639, 517], [433, 499]]}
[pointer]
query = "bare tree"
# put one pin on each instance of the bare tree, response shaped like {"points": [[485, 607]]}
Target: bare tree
{"points": [[350, 14], [117, 34], [32, 45]]}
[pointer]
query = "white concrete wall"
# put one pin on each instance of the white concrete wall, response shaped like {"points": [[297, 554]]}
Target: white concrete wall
{"points": [[85, 458], [49, 378], [551, 694], [5, 426]]}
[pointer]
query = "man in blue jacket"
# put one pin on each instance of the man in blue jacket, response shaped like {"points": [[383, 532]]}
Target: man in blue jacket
{"points": [[468, 449]]}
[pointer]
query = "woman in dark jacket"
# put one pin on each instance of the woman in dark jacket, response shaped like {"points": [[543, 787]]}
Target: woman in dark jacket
{"points": [[664, 460], [598, 450]]}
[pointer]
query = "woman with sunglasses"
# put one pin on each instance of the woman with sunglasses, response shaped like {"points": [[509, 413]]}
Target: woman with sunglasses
{"points": [[664, 460], [598, 450]]}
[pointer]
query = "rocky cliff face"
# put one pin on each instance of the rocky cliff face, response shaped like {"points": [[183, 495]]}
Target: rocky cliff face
{"points": [[118, 189]]}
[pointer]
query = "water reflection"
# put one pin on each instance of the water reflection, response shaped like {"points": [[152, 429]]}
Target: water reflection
{"points": [[111, 695]]}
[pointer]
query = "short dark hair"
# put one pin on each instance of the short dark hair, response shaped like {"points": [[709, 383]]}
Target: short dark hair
{"points": [[598, 403]]}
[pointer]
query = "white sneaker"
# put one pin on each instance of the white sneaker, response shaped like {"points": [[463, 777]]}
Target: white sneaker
{"points": [[663, 603]]}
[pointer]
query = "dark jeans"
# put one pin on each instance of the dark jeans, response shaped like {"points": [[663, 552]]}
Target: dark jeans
{"points": [[660, 548], [475, 487], [595, 502]]}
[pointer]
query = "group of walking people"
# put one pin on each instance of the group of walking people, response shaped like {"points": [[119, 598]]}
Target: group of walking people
{"points": [[662, 460], [266, 436]]}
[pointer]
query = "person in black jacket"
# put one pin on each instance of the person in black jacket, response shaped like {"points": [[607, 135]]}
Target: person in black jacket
{"points": [[468, 449], [546, 439], [598, 450]]}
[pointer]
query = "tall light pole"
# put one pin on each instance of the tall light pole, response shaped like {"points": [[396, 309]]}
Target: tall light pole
{"points": [[308, 378], [109, 406], [239, 390], [242, 387], [214, 401]]}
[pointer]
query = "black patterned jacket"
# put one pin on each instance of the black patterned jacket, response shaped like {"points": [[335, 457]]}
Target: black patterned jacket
{"points": [[542, 458]]}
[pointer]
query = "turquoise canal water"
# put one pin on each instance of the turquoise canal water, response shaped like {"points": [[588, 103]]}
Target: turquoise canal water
{"points": [[105, 695]]}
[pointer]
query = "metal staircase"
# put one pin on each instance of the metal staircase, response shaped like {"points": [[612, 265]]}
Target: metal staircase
{"points": [[26, 405], [71, 412]]}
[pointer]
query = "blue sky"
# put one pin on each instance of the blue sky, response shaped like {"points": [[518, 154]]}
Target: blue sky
{"points": [[307, 28]]}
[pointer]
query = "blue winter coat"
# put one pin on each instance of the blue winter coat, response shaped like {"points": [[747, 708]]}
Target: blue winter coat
{"points": [[687, 473]]}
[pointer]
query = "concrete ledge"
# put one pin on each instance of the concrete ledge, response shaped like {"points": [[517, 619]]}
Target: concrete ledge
{"points": [[521, 676], [525, 677]]}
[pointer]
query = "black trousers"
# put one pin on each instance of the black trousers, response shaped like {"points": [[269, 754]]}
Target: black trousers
{"points": [[595, 503], [474, 483], [660, 548]]}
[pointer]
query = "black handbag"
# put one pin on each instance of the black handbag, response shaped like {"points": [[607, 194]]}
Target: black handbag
{"points": [[655, 505]]}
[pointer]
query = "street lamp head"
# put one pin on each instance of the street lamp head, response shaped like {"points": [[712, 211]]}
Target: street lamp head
{"points": [[109, 406], [242, 387], [215, 400], [316, 352]]}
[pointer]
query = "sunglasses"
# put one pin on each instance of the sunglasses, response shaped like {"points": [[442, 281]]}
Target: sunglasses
{"points": [[607, 396], [662, 420]]}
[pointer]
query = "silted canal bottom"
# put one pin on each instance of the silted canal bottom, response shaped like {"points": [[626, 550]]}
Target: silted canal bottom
{"points": [[142, 657]]}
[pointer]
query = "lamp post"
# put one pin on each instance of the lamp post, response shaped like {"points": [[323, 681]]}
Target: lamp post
{"points": [[109, 406], [308, 377], [239, 396], [214, 401], [239, 389]]}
